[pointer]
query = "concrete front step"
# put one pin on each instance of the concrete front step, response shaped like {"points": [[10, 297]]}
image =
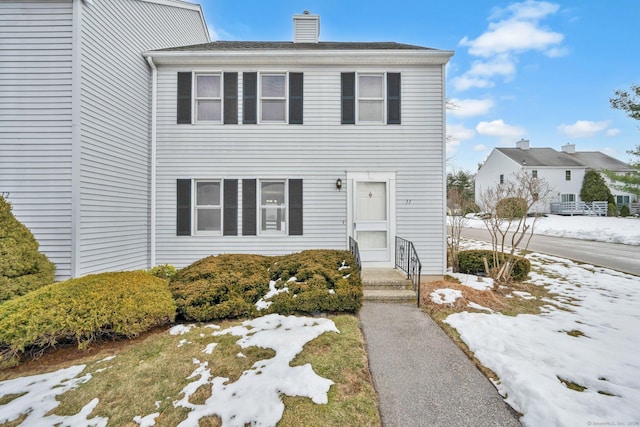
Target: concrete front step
{"points": [[397, 296], [386, 285]]}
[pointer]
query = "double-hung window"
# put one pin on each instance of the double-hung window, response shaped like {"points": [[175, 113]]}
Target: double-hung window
{"points": [[370, 98], [273, 207], [273, 98], [208, 99], [567, 175], [208, 207]]}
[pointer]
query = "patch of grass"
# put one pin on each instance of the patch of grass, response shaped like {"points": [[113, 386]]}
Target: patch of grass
{"points": [[148, 374], [576, 333], [571, 385], [342, 359]]}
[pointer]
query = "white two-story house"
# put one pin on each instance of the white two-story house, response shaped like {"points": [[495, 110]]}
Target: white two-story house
{"points": [[122, 151], [276, 147], [563, 170], [75, 114]]}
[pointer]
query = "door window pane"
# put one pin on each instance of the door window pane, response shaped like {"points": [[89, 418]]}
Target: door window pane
{"points": [[372, 239], [372, 201]]}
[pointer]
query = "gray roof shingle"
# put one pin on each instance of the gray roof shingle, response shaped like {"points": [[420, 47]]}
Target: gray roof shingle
{"points": [[599, 161], [540, 157], [265, 45]]}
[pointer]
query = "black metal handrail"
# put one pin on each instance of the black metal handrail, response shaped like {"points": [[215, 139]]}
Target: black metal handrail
{"points": [[355, 251], [407, 260]]}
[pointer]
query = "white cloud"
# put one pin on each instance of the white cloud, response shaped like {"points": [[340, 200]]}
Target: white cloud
{"points": [[457, 133], [612, 132], [512, 31], [583, 128], [470, 107], [512, 36], [479, 147], [465, 82], [500, 129]]}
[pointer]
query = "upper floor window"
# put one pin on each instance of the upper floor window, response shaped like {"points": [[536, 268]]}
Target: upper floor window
{"points": [[567, 175], [534, 173], [208, 99], [501, 179], [370, 98], [273, 99]]}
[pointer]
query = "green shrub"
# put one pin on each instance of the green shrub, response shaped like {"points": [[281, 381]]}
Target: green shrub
{"points": [[83, 310], [164, 271], [224, 286], [471, 262], [612, 210], [625, 211], [511, 207], [229, 286], [22, 267]]}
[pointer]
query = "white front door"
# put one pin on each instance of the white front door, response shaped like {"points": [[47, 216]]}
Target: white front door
{"points": [[371, 220]]}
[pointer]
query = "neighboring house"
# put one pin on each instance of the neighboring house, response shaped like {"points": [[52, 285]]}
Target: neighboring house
{"points": [[564, 170], [276, 147], [121, 151], [75, 114]]}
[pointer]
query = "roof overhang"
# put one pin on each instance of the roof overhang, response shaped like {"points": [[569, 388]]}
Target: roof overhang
{"points": [[380, 57]]}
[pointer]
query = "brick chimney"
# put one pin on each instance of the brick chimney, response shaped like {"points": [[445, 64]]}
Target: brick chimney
{"points": [[523, 144], [306, 28], [569, 148]]}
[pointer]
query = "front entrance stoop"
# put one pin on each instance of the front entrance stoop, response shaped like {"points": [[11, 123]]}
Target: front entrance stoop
{"points": [[387, 285]]}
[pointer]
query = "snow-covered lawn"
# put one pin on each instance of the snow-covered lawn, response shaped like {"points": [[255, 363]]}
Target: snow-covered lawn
{"points": [[602, 229], [255, 398], [587, 337]]}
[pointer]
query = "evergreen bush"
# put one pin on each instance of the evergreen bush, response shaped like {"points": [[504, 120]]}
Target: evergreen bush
{"points": [[594, 188], [83, 310], [229, 286], [22, 267], [511, 207], [625, 211], [612, 210], [471, 262]]}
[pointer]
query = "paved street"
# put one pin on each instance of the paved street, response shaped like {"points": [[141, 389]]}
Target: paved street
{"points": [[625, 258]]}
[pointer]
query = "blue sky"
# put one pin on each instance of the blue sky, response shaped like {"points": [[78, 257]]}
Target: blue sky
{"points": [[539, 70]]}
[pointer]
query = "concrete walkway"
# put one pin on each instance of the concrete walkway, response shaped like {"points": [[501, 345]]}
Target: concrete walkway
{"points": [[422, 377]]}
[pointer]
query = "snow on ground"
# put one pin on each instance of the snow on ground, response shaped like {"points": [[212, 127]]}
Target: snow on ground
{"points": [[445, 296], [37, 396], [588, 334], [602, 229], [255, 398], [471, 281]]}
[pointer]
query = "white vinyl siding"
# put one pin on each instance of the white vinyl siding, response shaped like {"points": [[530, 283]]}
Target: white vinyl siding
{"points": [[319, 152], [35, 121], [114, 233]]}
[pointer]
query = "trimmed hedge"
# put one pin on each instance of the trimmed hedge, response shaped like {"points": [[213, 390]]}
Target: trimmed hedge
{"points": [[22, 267], [83, 310], [511, 207], [229, 286], [470, 262]]}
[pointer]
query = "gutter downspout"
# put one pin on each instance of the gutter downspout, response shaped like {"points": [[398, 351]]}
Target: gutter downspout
{"points": [[76, 139], [152, 220]]}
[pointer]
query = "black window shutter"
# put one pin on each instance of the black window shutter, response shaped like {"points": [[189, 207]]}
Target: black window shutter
{"points": [[295, 207], [230, 98], [348, 98], [296, 84], [393, 98], [183, 207], [230, 226], [249, 98], [249, 207], [184, 98]]}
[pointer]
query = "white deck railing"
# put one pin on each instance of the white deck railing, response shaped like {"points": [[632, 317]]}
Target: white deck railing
{"points": [[579, 208]]}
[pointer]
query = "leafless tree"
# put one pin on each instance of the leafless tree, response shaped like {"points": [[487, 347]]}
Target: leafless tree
{"points": [[511, 212]]}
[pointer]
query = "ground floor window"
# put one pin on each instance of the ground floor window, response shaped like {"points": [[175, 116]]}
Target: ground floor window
{"points": [[622, 200], [208, 207], [273, 206], [568, 198]]}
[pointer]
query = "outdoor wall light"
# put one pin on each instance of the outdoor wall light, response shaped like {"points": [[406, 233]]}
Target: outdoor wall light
{"points": [[338, 184]]}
